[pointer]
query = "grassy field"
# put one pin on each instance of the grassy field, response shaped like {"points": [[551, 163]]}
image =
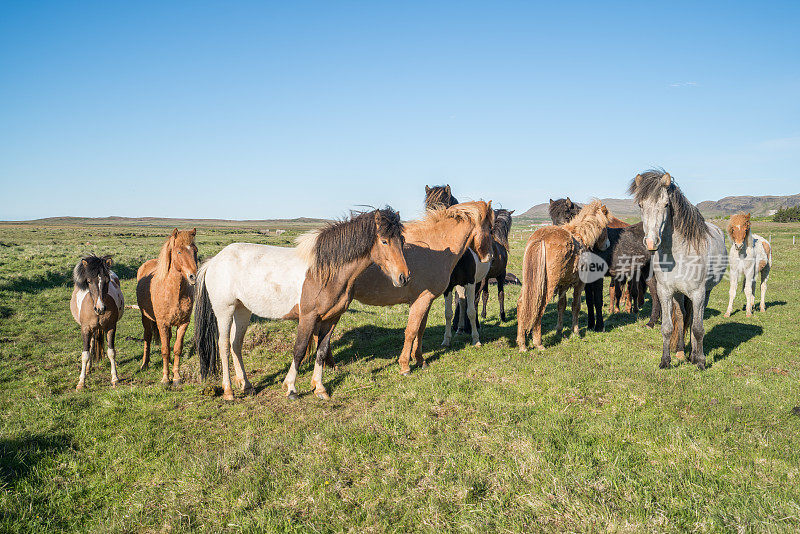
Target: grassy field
{"points": [[589, 435]]}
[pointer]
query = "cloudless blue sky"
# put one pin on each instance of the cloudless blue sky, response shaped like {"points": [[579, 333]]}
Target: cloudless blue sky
{"points": [[283, 109]]}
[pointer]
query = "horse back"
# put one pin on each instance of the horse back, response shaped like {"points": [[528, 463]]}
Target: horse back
{"points": [[146, 268]]}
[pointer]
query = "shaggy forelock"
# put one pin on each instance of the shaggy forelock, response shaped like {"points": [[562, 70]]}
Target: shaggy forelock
{"points": [[502, 226], [93, 268], [686, 218]]}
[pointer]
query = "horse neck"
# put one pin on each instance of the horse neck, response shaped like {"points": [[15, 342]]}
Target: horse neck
{"points": [[448, 234]]}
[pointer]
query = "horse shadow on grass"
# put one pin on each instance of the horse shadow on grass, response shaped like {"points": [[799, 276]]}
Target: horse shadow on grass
{"points": [[756, 309], [728, 336]]}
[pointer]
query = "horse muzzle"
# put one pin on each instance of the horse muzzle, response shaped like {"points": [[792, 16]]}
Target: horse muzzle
{"points": [[401, 281], [652, 244], [191, 278]]}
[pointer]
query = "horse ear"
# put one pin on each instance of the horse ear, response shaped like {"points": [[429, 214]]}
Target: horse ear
{"points": [[175, 233], [638, 180], [427, 189], [193, 232], [489, 207], [447, 188], [748, 216], [569, 203], [85, 263], [512, 211], [108, 261], [551, 201], [666, 179]]}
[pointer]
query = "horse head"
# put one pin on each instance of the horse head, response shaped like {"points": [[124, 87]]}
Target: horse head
{"points": [[739, 229], [387, 250]]}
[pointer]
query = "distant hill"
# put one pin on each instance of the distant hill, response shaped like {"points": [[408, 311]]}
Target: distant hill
{"points": [[626, 207], [166, 221]]}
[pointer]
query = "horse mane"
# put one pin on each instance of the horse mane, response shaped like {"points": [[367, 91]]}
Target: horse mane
{"points": [[589, 224], [93, 266], [563, 209], [439, 196], [341, 242], [164, 260], [686, 218], [502, 226], [473, 212]]}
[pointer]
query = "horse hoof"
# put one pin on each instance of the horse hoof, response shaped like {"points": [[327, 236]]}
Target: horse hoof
{"points": [[248, 390], [176, 382], [227, 395], [750, 314], [476, 344], [292, 395], [445, 343], [680, 355], [727, 314], [114, 383], [79, 387], [165, 380], [405, 373], [322, 395], [664, 365], [701, 366], [539, 347]]}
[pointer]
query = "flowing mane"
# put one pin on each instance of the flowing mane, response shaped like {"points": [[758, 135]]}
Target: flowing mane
{"points": [[327, 249], [589, 224], [474, 212], [439, 196], [686, 218], [89, 267], [502, 226]]}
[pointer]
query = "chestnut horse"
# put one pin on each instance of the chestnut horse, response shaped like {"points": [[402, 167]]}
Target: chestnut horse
{"points": [[165, 295], [97, 305], [434, 245], [750, 255], [550, 267], [336, 256]]}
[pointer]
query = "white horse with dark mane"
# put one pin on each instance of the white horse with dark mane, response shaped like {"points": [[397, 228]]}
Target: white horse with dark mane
{"points": [[689, 255], [750, 254]]}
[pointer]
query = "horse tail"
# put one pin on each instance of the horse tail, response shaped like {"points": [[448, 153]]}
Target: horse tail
{"points": [[206, 331], [534, 284], [98, 342]]}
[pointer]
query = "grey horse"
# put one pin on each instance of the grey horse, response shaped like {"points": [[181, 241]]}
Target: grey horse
{"points": [[689, 254]]}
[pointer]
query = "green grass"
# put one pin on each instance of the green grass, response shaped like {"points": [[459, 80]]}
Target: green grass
{"points": [[587, 435]]}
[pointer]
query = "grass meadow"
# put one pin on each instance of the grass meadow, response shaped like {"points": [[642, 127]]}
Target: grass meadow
{"points": [[588, 435]]}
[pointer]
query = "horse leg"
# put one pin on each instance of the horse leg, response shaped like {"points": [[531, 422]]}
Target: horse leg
{"points": [[323, 346], [416, 314], [679, 321], [111, 351], [749, 284], [448, 319], [626, 296], [462, 325], [165, 333], [698, 308], [732, 292], [85, 359], [665, 297], [472, 314], [501, 295], [148, 325], [180, 332], [562, 305], [224, 321], [576, 306], [655, 310], [633, 291], [613, 289], [305, 329], [241, 320], [418, 343], [597, 295], [764, 278], [590, 309]]}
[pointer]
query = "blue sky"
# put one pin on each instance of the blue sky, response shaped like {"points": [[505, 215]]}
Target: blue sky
{"points": [[260, 110]]}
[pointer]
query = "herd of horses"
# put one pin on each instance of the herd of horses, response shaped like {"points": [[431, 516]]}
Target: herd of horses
{"points": [[453, 249]]}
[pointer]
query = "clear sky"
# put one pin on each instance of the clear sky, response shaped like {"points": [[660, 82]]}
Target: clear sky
{"points": [[284, 109]]}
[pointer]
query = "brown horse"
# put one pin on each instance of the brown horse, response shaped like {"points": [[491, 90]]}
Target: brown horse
{"points": [[336, 256], [96, 304], [550, 267], [434, 245], [500, 249], [165, 294]]}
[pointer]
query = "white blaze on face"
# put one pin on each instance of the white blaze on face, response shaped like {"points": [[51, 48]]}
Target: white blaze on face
{"points": [[99, 303]]}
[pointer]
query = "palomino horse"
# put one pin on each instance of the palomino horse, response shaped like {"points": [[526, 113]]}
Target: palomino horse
{"points": [[467, 273], [336, 256], [245, 279], [165, 295], [96, 304], [497, 270], [750, 254], [434, 245], [564, 210], [550, 267], [689, 254]]}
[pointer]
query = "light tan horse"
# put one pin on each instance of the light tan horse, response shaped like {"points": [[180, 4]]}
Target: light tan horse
{"points": [[550, 267], [434, 245], [165, 294]]}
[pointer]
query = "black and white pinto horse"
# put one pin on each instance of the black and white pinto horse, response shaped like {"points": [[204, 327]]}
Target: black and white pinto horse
{"points": [[466, 275], [689, 255]]}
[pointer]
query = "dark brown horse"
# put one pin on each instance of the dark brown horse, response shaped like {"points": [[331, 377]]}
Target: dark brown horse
{"points": [[336, 256], [96, 305], [500, 247], [165, 294]]}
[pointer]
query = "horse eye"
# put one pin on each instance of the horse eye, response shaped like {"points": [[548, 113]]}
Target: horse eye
{"points": [[385, 242]]}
